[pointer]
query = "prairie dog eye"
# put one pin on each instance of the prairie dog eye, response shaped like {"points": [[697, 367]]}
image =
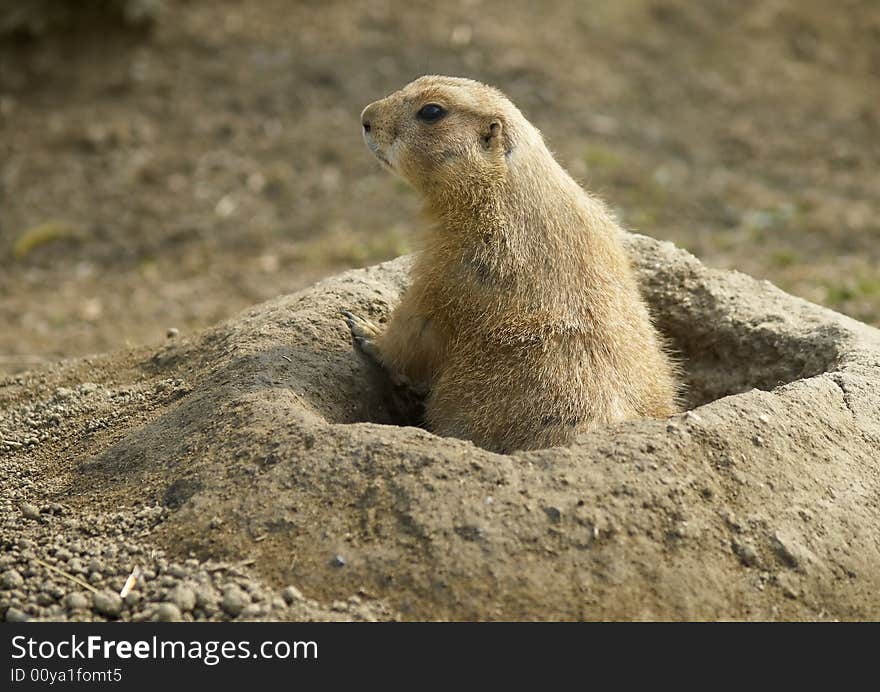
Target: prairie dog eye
{"points": [[431, 113]]}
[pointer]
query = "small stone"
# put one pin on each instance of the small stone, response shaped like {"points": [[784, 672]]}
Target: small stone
{"points": [[183, 597], [291, 594], [107, 603], [11, 579], [16, 615], [29, 511], [338, 561], [554, 514], [176, 570], [167, 612], [233, 601], [205, 595], [172, 332], [758, 441], [76, 601], [254, 610]]}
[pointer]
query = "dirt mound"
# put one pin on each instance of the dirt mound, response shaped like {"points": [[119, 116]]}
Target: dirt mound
{"points": [[269, 439]]}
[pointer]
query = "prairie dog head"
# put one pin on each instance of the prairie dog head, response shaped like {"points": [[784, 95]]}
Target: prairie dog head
{"points": [[442, 132]]}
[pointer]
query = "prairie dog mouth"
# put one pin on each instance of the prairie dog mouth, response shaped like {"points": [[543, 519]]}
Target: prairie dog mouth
{"points": [[379, 155], [373, 146]]}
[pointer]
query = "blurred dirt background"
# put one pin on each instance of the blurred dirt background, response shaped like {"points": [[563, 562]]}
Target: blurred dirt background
{"points": [[166, 166]]}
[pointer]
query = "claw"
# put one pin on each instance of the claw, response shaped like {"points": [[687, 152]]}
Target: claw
{"points": [[359, 326]]}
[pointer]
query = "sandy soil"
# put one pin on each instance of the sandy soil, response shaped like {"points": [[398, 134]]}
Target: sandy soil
{"points": [[251, 472]]}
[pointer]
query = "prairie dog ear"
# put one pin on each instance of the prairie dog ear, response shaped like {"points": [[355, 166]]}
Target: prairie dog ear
{"points": [[492, 134]]}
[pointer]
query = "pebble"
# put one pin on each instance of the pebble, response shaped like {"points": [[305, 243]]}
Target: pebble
{"points": [[291, 594], [233, 601], [11, 579], [29, 511], [254, 610], [76, 601], [176, 570], [205, 596], [16, 615], [107, 603], [183, 597], [167, 612], [132, 598]]}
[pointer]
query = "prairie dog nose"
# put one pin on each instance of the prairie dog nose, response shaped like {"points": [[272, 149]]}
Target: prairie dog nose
{"points": [[367, 117]]}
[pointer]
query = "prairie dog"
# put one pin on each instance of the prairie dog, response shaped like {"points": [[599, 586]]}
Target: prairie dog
{"points": [[523, 324]]}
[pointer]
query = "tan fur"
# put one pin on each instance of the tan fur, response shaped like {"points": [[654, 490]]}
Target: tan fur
{"points": [[523, 320]]}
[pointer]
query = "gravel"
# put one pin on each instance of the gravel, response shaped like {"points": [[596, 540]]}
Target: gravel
{"points": [[102, 548]]}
